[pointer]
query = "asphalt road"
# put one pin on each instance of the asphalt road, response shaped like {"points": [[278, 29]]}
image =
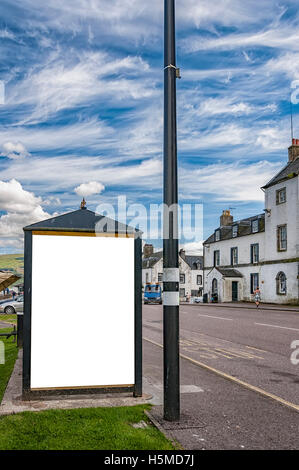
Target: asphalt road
{"points": [[251, 345]]}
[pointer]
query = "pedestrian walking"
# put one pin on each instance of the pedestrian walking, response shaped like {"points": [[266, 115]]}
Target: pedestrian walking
{"points": [[257, 296]]}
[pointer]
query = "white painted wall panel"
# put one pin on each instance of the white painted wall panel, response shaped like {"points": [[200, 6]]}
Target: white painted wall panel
{"points": [[82, 311]]}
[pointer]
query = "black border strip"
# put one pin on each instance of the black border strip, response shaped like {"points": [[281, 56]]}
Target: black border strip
{"points": [[137, 387], [138, 317], [27, 312]]}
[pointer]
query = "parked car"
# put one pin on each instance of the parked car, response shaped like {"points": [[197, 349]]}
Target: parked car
{"points": [[12, 306], [198, 300]]}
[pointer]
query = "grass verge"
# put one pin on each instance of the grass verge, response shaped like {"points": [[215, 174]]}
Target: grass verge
{"points": [[81, 429], [10, 356]]}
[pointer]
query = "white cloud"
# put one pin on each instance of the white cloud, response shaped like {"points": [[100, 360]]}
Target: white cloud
{"points": [[219, 105], [22, 208], [193, 248], [271, 138], [227, 182], [52, 201], [140, 20], [13, 150], [281, 37], [14, 198], [6, 34], [92, 133], [80, 78], [287, 64], [88, 189], [62, 173]]}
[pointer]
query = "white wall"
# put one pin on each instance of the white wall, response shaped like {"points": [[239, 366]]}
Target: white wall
{"points": [[190, 275], [243, 243], [287, 213], [269, 273]]}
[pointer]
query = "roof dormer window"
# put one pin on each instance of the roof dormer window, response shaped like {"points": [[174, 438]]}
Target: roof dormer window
{"points": [[235, 231], [255, 226], [217, 235]]}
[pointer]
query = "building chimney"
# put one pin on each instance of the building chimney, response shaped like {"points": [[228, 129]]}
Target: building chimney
{"points": [[148, 250], [226, 218], [182, 253], [294, 150]]}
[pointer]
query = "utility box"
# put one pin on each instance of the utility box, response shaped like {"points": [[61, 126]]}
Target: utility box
{"points": [[82, 306]]}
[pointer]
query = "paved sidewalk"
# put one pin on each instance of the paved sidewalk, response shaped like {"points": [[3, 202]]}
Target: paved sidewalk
{"points": [[247, 305], [217, 413], [12, 401], [6, 325]]}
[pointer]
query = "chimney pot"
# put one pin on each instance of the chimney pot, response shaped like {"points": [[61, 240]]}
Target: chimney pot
{"points": [[226, 218], [294, 150], [148, 250]]}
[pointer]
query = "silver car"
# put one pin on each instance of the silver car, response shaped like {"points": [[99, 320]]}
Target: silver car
{"points": [[12, 306]]}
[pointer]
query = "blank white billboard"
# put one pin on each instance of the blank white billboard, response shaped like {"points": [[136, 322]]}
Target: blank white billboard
{"points": [[82, 324]]}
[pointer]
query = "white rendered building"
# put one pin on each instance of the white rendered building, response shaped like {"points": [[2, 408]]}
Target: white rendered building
{"points": [[260, 251], [191, 271]]}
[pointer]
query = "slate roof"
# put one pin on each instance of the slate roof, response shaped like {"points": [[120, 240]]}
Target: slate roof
{"points": [[227, 272], [82, 220], [150, 261], [191, 259], [289, 171], [244, 228]]}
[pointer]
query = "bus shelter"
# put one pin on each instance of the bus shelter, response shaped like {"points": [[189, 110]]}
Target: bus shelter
{"points": [[82, 306]]}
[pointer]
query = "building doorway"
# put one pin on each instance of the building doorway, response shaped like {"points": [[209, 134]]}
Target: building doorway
{"points": [[214, 290], [235, 291]]}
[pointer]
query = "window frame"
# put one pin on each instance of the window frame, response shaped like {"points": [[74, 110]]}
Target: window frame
{"points": [[252, 246], [182, 276], [160, 277], [278, 193], [279, 239], [235, 233], [182, 291], [197, 277], [214, 258], [279, 282], [232, 250], [252, 286], [217, 235]]}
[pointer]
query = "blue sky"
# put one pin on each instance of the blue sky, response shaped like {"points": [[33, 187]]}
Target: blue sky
{"points": [[84, 105]]}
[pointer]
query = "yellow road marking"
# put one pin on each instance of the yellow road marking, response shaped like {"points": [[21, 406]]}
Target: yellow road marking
{"points": [[241, 354], [235, 380], [229, 354], [256, 349]]}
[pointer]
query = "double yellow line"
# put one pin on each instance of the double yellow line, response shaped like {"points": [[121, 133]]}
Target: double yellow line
{"points": [[234, 379]]}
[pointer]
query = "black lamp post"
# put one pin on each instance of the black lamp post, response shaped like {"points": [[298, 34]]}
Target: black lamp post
{"points": [[170, 224]]}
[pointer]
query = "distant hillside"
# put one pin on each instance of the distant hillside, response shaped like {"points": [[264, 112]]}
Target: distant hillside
{"points": [[13, 263]]}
